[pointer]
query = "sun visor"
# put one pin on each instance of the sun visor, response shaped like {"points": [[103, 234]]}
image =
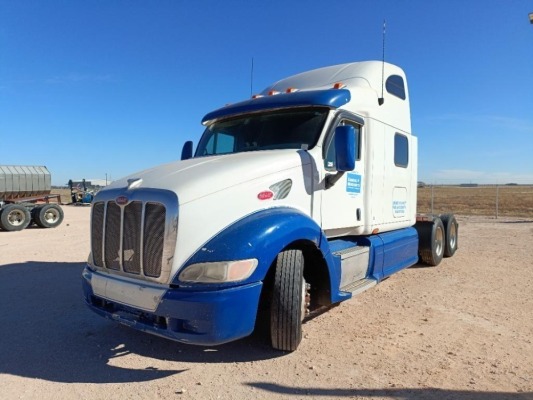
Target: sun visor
{"points": [[332, 98]]}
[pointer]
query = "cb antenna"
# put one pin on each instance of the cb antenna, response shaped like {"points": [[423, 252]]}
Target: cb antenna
{"points": [[381, 100], [252, 78]]}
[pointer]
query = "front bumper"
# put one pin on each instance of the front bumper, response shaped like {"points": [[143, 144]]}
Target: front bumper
{"points": [[195, 317]]}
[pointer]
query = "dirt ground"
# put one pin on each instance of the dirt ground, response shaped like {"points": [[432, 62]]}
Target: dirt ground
{"points": [[462, 330]]}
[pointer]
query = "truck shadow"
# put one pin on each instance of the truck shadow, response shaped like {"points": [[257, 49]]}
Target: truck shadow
{"points": [[48, 333], [390, 393]]}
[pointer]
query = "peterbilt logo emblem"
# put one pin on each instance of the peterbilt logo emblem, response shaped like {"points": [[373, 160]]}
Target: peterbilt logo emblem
{"points": [[121, 200]]}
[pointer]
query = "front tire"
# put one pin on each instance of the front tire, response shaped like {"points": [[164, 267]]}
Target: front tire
{"points": [[288, 301]]}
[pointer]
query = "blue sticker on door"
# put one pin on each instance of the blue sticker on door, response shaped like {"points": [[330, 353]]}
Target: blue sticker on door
{"points": [[353, 183]]}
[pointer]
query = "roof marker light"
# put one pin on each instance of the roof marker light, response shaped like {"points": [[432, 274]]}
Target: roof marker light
{"points": [[257, 96], [291, 90], [339, 85], [273, 92]]}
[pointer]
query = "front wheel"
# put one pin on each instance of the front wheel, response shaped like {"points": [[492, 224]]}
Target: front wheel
{"points": [[288, 301]]}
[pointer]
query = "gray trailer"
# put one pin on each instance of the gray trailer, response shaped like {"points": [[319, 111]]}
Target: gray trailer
{"points": [[25, 198]]}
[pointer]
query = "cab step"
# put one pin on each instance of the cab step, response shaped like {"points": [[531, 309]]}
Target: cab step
{"points": [[360, 286]]}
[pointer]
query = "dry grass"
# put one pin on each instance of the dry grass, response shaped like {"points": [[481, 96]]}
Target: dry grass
{"points": [[65, 195], [513, 201]]}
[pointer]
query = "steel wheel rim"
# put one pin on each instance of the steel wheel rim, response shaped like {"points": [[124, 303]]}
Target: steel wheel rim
{"points": [[453, 236], [16, 218], [51, 215], [439, 240]]}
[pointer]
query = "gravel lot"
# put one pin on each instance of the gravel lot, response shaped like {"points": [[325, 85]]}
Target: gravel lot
{"points": [[462, 330]]}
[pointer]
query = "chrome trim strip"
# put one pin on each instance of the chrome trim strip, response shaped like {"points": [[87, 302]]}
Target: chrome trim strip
{"points": [[103, 235], [121, 238], [141, 249]]}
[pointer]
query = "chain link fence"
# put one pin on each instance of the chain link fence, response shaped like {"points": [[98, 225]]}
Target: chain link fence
{"points": [[472, 199]]}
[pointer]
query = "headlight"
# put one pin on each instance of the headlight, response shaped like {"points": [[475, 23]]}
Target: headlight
{"points": [[219, 272]]}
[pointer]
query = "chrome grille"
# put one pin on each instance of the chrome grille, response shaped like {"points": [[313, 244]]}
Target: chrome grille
{"points": [[97, 227], [131, 255], [136, 239], [112, 236], [154, 231]]}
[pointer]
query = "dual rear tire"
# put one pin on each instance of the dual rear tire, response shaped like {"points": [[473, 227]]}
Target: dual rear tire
{"points": [[48, 216], [437, 239], [16, 217], [451, 231]]}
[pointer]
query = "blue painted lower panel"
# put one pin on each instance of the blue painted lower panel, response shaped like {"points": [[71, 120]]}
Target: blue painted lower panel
{"points": [[195, 317], [390, 252], [400, 250]]}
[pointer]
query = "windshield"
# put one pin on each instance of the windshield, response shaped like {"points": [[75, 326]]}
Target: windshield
{"points": [[280, 129]]}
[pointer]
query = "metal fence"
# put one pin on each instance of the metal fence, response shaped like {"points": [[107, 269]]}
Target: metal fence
{"points": [[470, 199]]}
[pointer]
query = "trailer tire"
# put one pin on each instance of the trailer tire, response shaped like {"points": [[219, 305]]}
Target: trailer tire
{"points": [[14, 217], [451, 231], [48, 216], [288, 301], [431, 243], [34, 213]]}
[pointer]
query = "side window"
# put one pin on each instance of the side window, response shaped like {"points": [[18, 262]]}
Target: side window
{"points": [[395, 86], [220, 143], [329, 161], [401, 151]]}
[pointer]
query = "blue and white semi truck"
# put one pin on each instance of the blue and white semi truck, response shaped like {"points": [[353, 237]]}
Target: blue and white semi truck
{"points": [[293, 201]]}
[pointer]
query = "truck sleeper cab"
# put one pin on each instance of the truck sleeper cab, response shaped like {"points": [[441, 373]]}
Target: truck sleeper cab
{"points": [[294, 200]]}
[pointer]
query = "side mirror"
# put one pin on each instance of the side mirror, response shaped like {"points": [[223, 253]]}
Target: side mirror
{"points": [[345, 145], [186, 152]]}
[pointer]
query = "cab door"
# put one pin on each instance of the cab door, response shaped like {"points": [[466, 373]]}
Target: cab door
{"points": [[342, 204]]}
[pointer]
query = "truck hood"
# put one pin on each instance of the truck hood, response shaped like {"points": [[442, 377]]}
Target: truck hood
{"points": [[199, 177]]}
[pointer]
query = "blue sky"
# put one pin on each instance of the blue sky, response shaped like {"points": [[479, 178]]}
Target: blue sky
{"points": [[98, 87]]}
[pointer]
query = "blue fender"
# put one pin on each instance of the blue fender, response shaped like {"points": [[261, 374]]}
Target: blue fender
{"points": [[263, 235]]}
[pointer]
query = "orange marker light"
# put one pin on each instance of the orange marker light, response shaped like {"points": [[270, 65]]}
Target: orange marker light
{"points": [[291, 90], [339, 85]]}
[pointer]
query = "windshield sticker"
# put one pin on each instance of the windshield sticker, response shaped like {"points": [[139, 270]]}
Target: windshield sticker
{"points": [[353, 183]]}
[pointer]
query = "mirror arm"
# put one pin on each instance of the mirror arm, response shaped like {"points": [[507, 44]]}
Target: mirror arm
{"points": [[332, 179]]}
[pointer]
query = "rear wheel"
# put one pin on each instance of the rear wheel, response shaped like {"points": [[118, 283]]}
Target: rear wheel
{"points": [[48, 216], [451, 231], [288, 301], [14, 217], [431, 243]]}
